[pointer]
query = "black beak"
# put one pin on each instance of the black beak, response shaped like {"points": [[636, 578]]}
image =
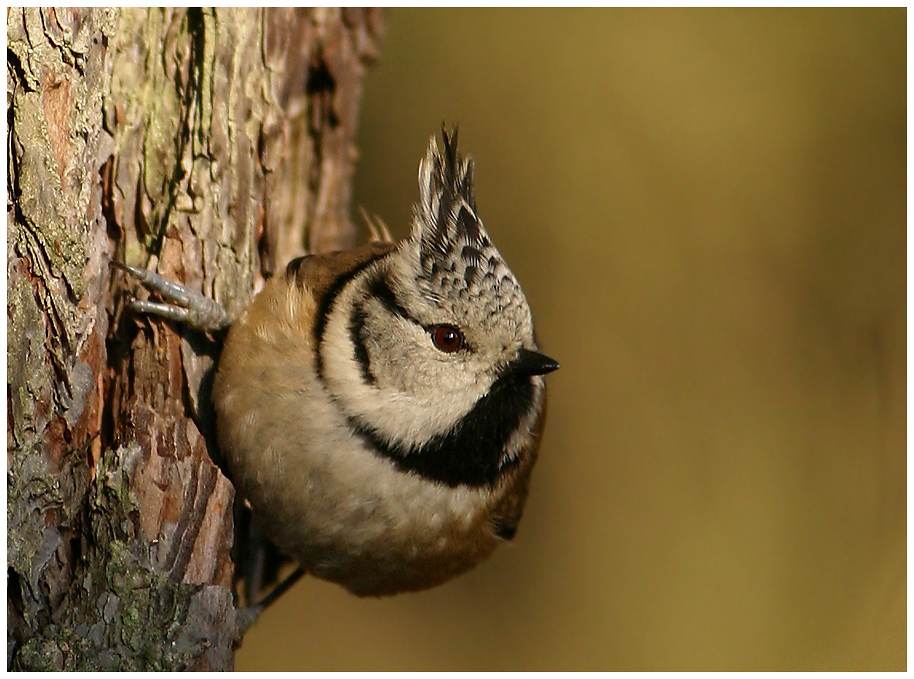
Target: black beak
{"points": [[532, 363]]}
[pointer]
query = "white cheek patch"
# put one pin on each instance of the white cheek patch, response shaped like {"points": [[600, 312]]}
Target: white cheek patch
{"points": [[407, 408]]}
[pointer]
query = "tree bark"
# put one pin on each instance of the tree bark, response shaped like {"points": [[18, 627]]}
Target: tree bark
{"points": [[211, 146]]}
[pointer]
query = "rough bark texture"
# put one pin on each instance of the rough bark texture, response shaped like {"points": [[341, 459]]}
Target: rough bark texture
{"points": [[211, 146]]}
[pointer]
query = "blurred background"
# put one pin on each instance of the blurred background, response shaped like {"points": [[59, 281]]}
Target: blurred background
{"points": [[707, 211]]}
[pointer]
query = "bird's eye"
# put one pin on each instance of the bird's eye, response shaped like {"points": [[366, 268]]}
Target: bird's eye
{"points": [[447, 338]]}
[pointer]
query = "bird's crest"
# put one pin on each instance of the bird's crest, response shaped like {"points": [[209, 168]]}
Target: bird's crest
{"points": [[446, 225]]}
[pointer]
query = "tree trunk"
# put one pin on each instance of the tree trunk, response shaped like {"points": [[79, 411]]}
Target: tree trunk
{"points": [[211, 146]]}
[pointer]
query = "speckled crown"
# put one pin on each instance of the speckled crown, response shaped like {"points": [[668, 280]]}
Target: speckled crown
{"points": [[457, 259]]}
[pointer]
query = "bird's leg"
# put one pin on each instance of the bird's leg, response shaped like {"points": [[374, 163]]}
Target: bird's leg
{"points": [[184, 305], [246, 616]]}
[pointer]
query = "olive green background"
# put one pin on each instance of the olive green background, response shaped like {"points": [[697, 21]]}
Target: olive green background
{"points": [[707, 212]]}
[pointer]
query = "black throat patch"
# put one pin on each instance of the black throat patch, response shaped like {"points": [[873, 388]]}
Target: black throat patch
{"points": [[472, 453]]}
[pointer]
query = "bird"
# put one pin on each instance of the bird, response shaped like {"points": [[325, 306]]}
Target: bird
{"points": [[381, 408]]}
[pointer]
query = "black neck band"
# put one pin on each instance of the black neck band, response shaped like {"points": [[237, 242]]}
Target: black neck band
{"points": [[473, 452]]}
